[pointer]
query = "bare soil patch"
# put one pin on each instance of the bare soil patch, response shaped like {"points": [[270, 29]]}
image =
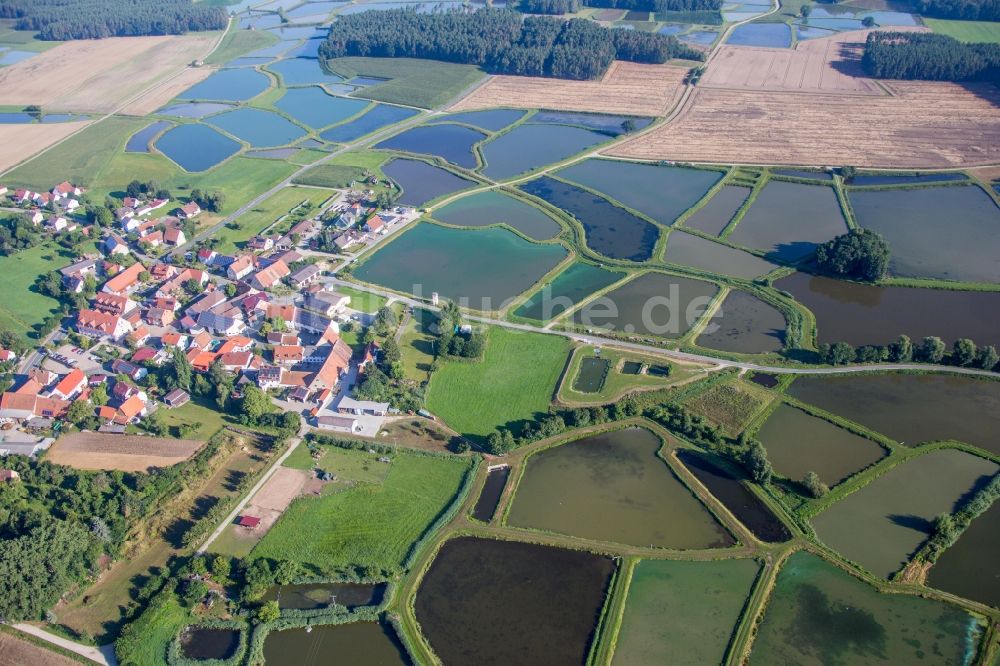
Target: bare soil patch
{"points": [[97, 75], [627, 88], [274, 497], [129, 453], [921, 124], [15, 651], [19, 142]]}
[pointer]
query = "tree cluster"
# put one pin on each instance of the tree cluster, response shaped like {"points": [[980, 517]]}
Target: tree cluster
{"points": [[452, 341], [861, 254], [930, 56], [16, 233], [968, 10], [658, 5], [138, 189], [210, 201], [948, 528], [932, 349], [97, 19], [549, 6], [500, 41]]}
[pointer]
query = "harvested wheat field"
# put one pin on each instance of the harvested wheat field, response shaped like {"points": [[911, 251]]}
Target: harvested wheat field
{"points": [[15, 651], [627, 88], [158, 96], [97, 75], [129, 453], [830, 64], [19, 142], [921, 125]]}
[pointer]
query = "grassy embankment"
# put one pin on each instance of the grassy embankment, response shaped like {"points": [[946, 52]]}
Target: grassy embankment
{"points": [[422, 83]]}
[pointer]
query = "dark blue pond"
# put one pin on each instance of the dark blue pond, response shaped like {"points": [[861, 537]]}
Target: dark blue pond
{"points": [[259, 128], [529, 146], [194, 109], [703, 37], [233, 85], [491, 120], [905, 178], [196, 147], [595, 121], [422, 182], [381, 116], [452, 143], [140, 141], [762, 34], [313, 107], [15, 118]]}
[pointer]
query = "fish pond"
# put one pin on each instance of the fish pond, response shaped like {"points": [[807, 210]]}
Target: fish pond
{"points": [[482, 268], [202, 643], [651, 304], [613, 125], [381, 115], [487, 208], [141, 141], [568, 288], [230, 85], [700, 37], [422, 182], [358, 644], [491, 120], [609, 229], [788, 220], [865, 314], [662, 193], [802, 173], [697, 252], [798, 442], [778, 35], [485, 601], [881, 525], [196, 147], [613, 487], [820, 614], [719, 211], [259, 128], [744, 324], [969, 568], [682, 613], [868, 179], [489, 498], [302, 72], [312, 106], [949, 233], [764, 379], [911, 408], [452, 143], [310, 596], [740, 502], [590, 378], [194, 109], [529, 146]]}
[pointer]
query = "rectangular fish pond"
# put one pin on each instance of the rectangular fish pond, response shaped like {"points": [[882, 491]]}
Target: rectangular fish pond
{"points": [[590, 378], [310, 596], [744, 324], [489, 498], [357, 643], [970, 568], [613, 487], [490, 602], [719, 211], [820, 614]]}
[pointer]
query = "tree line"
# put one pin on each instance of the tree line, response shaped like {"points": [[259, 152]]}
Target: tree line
{"points": [[931, 57], [932, 349], [969, 10], [658, 5], [97, 19], [499, 40]]}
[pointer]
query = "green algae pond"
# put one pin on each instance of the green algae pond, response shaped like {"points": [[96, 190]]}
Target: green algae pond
{"points": [[820, 615], [744, 324], [487, 208], [798, 442], [719, 211], [357, 643], [788, 220], [483, 268], [865, 314], [682, 613], [310, 596], [568, 289], [662, 193], [697, 252], [485, 601], [613, 487], [911, 408], [970, 568], [652, 304], [950, 233], [608, 229], [590, 378], [881, 525]]}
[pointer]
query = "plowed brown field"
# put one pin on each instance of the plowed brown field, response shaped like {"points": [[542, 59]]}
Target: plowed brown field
{"points": [[129, 453]]}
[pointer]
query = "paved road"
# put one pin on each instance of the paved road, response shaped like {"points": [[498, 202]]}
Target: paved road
{"points": [[671, 353], [102, 655]]}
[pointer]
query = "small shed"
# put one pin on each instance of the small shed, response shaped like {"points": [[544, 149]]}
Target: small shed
{"points": [[249, 522], [176, 398]]}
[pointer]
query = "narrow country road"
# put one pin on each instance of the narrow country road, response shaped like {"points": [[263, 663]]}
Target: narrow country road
{"points": [[102, 655]]}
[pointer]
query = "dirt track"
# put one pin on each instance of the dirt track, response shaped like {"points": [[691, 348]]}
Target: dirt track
{"points": [[129, 453], [627, 88]]}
